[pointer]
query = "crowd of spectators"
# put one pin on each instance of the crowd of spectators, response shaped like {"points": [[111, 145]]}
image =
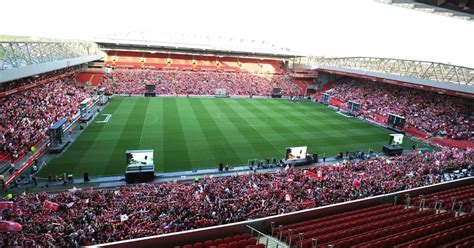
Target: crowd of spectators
{"points": [[33, 79], [26, 116], [179, 82], [86, 217], [434, 113]]}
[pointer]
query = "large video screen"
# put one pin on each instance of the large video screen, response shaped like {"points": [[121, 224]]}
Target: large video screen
{"points": [[396, 121], [295, 153], [150, 88], [354, 107], [396, 139], [139, 157]]}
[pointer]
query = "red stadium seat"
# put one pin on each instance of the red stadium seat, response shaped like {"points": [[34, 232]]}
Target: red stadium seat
{"points": [[236, 237], [246, 236], [252, 241], [208, 243], [233, 244], [242, 243], [218, 242], [198, 245]]}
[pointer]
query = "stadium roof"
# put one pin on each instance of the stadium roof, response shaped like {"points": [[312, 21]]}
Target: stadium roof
{"points": [[439, 75], [461, 9], [20, 59], [192, 43]]}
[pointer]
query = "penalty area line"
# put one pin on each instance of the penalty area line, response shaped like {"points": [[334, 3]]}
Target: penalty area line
{"points": [[107, 118]]}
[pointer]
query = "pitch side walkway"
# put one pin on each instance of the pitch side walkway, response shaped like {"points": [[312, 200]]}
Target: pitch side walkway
{"points": [[179, 176]]}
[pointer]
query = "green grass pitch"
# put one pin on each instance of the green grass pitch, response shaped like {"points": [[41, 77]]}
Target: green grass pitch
{"points": [[194, 133]]}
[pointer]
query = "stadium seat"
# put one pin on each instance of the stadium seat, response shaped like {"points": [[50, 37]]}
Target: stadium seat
{"points": [[218, 242], [198, 245], [208, 243], [246, 236], [236, 237], [251, 241], [242, 243], [233, 244]]}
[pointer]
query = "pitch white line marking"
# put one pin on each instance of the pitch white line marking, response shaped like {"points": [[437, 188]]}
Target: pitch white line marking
{"points": [[155, 120], [107, 118]]}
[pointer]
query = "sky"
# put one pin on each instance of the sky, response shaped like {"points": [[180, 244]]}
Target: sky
{"points": [[317, 27]]}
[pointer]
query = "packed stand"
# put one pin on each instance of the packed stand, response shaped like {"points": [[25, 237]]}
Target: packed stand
{"points": [[33, 79], [26, 116], [86, 217], [177, 82], [434, 113]]}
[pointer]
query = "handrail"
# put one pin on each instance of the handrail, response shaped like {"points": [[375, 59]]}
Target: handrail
{"points": [[278, 242]]}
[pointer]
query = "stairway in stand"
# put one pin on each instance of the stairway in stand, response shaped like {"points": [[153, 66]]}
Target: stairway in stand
{"points": [[270, 243]]}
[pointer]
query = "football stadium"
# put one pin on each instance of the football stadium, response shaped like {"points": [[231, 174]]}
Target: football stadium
{"points": [[205, 136]]}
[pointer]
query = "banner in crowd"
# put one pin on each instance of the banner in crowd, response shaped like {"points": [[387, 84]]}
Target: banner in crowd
{"points": [[318, 175], [10, 226], [6, 205], [50, 205], [356, 184]]}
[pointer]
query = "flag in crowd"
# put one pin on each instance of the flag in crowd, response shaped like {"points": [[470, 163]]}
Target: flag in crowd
{"points": [[315, 175], [50, 205], [6, 205], [10, 226]]}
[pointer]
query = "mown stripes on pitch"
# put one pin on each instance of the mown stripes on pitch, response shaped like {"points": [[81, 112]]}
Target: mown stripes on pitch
{"points": [[247, 130], [215, 137], [277, 125], [174, 143], [193, 133], [129, 138]]}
